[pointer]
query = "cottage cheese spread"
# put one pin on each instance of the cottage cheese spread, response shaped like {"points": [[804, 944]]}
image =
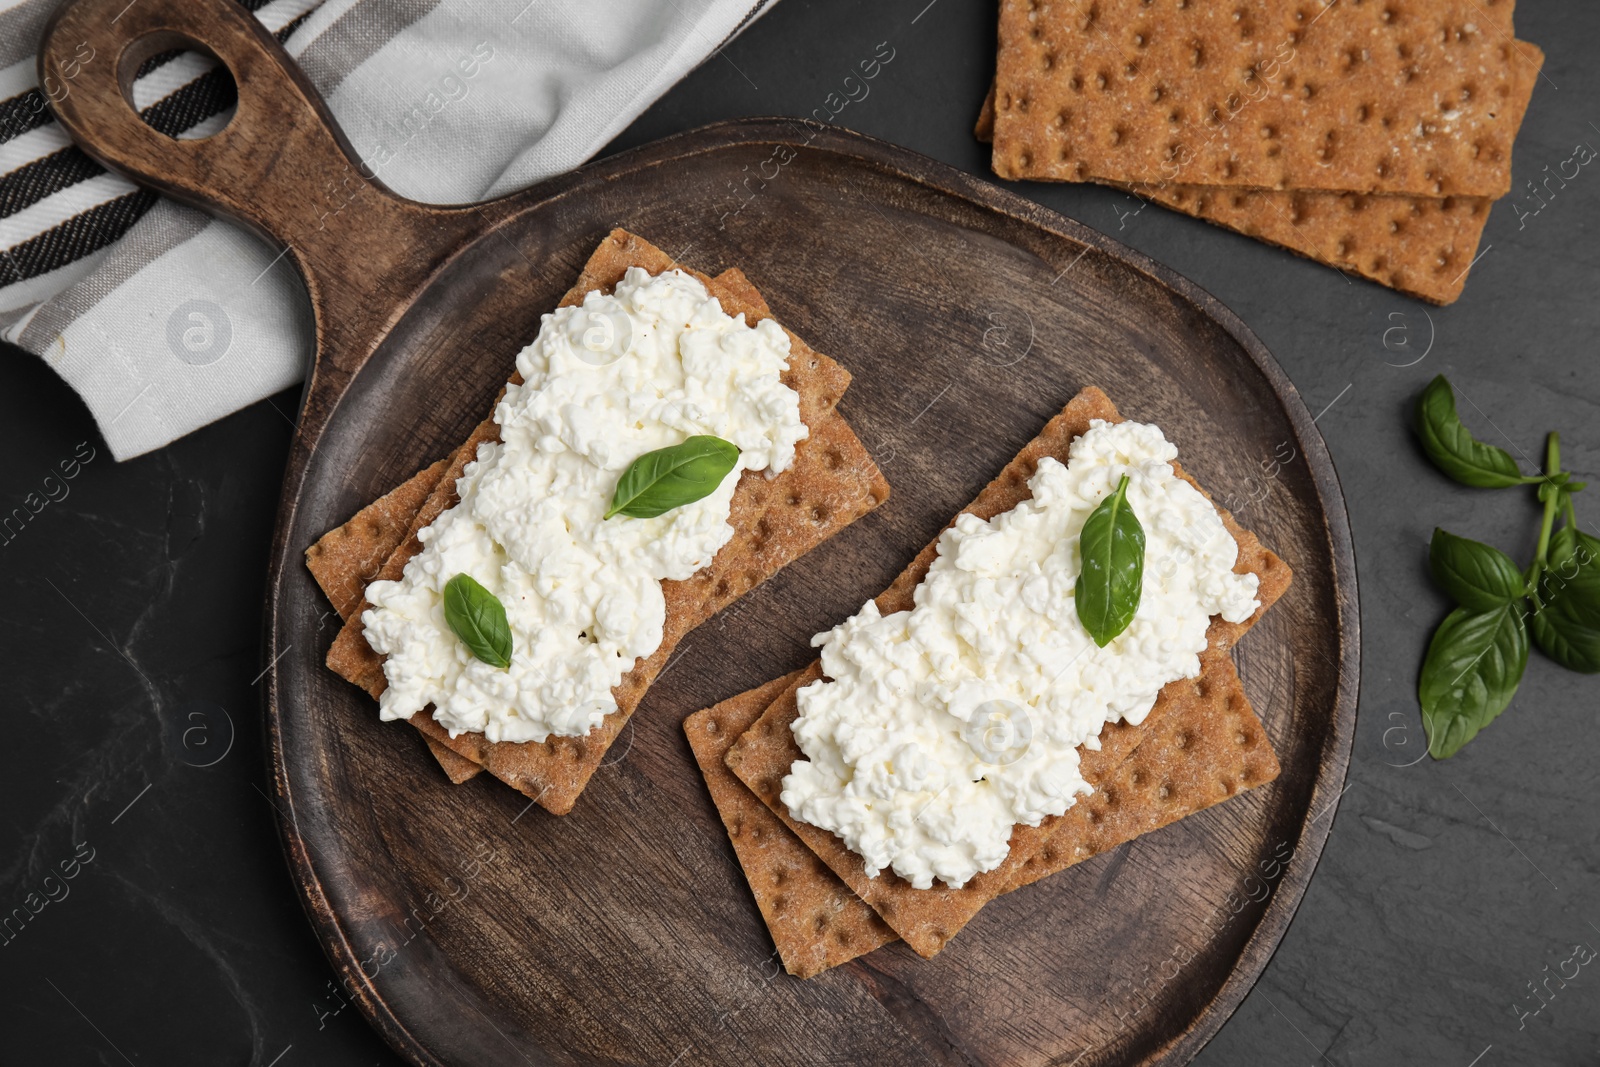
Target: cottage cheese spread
{"points": [[603, 383], [938, 729]]}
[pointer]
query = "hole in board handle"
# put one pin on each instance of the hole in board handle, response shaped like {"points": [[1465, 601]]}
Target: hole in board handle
{"points": [[177, 86]]}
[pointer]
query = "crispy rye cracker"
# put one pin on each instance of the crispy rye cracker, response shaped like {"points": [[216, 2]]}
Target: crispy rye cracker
{"points": [[1369, 97], [1200, 748], [345, 559], [832, 483], [815, 921], [928, 918], [1421, 246]]}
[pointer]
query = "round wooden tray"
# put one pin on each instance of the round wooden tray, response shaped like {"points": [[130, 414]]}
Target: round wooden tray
{"points": [[474, 929], [624, 932]]}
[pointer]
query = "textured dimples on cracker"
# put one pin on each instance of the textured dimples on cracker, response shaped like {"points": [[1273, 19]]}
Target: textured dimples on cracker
{"points": [[1201, 743], [346, 558], [815, 920], [1417, 97], [832, 482], [1419, 245], [1205, 745]]}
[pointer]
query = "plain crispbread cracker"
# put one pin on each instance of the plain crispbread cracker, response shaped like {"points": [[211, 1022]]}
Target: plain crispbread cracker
{"points": [[456, 767], [1413, 97], [832, 483], [345, 559], [815, 921], [1418, 245], [1422, 246], [928, 918], [983, 129]]}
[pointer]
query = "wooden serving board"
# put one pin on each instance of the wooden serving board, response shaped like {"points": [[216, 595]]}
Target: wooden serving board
{"points": [[474, 929]]}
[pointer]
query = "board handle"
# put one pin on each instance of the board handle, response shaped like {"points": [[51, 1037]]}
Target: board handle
{"points": [[281, 165]]}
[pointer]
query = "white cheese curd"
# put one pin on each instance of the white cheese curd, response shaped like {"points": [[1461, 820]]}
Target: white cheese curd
{"points": [[603, 383], [937, 730]]}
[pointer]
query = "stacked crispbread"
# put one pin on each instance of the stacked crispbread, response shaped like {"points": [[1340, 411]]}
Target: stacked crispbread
{"points": [[1371, 135], [1200, 744], [831, 483], [345, 559]]}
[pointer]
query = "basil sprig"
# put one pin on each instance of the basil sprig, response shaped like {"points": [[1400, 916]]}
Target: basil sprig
{"points": [[1112, 578], [671, 477], [1478, 654], [477, 617]]}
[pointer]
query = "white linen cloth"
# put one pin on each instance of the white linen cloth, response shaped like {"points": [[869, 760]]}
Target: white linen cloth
{"points": [[179, 319]]}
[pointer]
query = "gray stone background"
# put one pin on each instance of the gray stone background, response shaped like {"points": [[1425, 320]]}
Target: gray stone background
{"points": [[131, 620]]}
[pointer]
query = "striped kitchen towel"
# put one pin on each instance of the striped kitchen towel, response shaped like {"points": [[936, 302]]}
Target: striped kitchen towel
{"points": [[165, 319]]}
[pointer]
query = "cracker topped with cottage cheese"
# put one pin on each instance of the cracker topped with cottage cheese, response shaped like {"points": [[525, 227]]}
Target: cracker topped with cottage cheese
{"points": [[648, 366], [937, 730]]}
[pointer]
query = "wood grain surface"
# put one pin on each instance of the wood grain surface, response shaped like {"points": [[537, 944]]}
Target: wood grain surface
{"points": [[473, 930]]}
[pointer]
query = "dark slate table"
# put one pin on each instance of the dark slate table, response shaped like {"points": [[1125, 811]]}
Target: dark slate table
{"points": [[1447, 892]]}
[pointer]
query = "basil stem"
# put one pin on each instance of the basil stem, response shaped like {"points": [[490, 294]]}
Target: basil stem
{"points": [[1552, 496]]}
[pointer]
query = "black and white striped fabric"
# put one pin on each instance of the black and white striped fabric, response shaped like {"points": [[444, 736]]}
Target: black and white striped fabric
{"points": [[164, 319]]}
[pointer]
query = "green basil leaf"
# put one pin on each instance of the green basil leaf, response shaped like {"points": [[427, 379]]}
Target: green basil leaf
{"points": [[1583, 548], [1470, 674], [1477, 576], [1568, 642], [477, 617], [1112, 579], [1570, 584], [1452, 447], [671, 477]]}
